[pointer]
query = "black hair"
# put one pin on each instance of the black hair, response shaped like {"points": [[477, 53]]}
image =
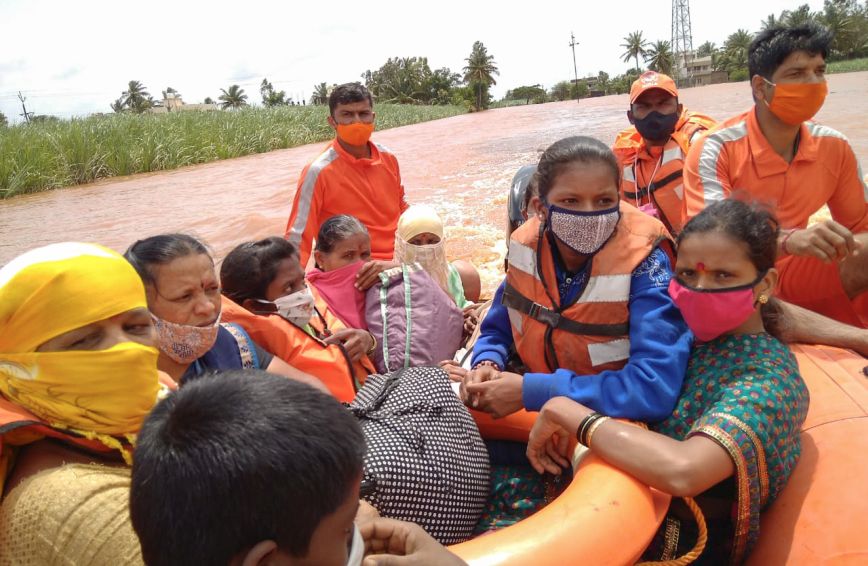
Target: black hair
{"points": [[145, 254], [336, 229], [772, 46], [249, 268], [753, 225], [348, 93], [581, 149], [237, 458]]}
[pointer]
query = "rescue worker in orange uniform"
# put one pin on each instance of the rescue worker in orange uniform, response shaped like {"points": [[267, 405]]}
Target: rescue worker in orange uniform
{"points": [[265, 293], [774, 154], [585, 302], [652, 151], [352, 176]]}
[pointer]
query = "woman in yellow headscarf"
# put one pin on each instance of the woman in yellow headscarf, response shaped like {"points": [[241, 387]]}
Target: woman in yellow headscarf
{"points": [[78, 374]]}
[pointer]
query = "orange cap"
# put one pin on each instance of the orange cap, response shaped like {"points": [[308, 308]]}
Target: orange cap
{"points": [[649, 80]]}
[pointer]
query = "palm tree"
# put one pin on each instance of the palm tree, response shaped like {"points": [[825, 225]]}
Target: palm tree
{"points": [[771, 22], [660, 57], [799, 16], [634, 46], [320, 94], [233, 98], [706, 49], [136, 98], [736, 49], [118, 105], [479, 70]]}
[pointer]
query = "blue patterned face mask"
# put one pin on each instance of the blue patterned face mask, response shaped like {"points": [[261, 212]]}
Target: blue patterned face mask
{"points": [[583, 232]]}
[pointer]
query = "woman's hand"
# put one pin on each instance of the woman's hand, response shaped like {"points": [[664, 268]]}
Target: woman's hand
{"points": [[478, 375], [470, 319], [370, 273], [454, 370], [499, 395], [355, 341], [550, 438], [366, 513]]}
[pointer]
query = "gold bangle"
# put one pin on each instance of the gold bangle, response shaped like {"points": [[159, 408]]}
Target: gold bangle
{"points": [[373, 344], [594, 428]]}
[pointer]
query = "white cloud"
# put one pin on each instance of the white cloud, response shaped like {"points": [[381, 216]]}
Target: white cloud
{"points": [[76, 57]]}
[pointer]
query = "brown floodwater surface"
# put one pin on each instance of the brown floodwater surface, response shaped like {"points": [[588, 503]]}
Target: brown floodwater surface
{"points": [[462, 166]]}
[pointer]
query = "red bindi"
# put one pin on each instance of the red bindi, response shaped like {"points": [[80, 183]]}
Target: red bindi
{"points": [[700, 266]]}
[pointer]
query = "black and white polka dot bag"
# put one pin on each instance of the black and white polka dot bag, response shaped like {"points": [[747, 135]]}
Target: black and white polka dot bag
{"points": [[425, 461]]}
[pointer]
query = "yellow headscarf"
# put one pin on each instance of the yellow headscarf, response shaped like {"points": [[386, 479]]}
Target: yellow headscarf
{"points": [[421, 219], [52, 290]]}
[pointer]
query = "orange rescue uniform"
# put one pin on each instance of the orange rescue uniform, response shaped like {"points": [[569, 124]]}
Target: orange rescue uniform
{"points": [[328, 363], [736, 159], [337, 183], [653, 174]]}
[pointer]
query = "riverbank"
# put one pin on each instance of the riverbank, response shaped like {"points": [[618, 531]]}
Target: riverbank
{"points": [[48, 155]]}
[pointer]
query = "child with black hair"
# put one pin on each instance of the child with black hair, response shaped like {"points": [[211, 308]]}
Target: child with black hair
{"points": [[733, 439], [255, 469]]}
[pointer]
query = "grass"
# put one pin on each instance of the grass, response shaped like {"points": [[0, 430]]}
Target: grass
{"points": [[43, 156], [851, 66]]}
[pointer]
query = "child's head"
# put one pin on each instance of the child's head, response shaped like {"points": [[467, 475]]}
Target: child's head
{"points": [[341, 240], [579, 170], [246, 466], [261, 271], [731, 244]]}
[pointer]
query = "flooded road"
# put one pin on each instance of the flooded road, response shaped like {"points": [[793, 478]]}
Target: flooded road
{"points": [[462, 166]]}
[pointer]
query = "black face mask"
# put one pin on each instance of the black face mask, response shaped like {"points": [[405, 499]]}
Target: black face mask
{"points": [[656, 126]]}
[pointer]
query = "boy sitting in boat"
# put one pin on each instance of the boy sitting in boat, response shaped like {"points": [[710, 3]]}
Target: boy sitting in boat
{"points": [[283, 487]]}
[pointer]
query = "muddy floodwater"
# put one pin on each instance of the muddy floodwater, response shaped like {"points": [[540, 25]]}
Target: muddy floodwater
{"points": [[462, 166]]}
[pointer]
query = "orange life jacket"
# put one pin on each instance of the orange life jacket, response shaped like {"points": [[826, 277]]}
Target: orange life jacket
{"points": [[591, 334], [19, 427], [653, 174], [296, 347]]}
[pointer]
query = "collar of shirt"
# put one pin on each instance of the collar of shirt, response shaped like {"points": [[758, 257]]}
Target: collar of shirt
{"points": [[356, 161], [766, 159]]}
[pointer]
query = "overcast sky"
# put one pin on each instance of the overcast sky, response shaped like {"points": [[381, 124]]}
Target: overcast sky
{"points": [[75, 57]]}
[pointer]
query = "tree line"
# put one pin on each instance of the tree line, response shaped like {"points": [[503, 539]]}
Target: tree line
{"points": [[846, 19]]}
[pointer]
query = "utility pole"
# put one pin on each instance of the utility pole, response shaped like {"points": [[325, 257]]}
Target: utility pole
{"points": [[573, 44], [26, 114]]}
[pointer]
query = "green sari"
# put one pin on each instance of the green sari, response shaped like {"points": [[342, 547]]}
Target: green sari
{"points": [[745, 393]]}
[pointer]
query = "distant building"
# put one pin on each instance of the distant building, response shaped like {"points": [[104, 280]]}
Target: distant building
{"points": [[173, 103], [699, 71]]}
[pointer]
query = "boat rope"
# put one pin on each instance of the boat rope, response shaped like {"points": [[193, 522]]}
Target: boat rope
{"points": [[697, 549]]}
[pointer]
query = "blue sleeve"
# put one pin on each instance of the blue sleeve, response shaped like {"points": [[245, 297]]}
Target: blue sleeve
{"points": [[647, 388], [495, 336]]}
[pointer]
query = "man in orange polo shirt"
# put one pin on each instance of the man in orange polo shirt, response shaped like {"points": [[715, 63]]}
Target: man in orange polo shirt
{"points": [[653, 149], [352, 176], [774, 154]]}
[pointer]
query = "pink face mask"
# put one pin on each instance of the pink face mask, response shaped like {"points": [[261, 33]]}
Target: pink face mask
{"points": [[337, 287], [712, 312]]}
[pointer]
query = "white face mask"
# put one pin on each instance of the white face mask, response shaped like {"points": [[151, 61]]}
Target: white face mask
{"points": [[357, 550], [298, 307]]}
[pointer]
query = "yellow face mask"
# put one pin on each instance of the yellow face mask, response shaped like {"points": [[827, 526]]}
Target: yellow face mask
{"points": [[103, 391]]}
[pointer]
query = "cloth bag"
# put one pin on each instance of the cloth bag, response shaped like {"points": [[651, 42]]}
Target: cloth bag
{"points": [[414, 321], [425, 460]]}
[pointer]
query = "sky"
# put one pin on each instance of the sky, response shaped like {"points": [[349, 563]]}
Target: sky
{"points": [[75, 58]]}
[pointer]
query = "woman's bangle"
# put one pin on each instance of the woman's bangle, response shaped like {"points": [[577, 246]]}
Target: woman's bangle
{"points": [[784, 241], [593, 428], [373, 345], [488, 363], [584, 426]]}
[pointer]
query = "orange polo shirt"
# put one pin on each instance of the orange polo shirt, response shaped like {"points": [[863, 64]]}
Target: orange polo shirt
{"points": [[337, 183], [735, 157]]}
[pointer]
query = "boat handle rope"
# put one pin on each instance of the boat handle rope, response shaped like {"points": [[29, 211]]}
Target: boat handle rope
{"points": [[697, 549]]}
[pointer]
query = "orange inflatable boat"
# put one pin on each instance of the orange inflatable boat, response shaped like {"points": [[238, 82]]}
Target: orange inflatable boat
{"points": [[606, 516]]}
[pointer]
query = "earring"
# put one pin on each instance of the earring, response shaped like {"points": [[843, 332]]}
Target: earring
{"points": [[763, 299]]}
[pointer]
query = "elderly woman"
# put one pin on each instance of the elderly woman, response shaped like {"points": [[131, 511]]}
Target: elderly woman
{"points": [[184, 301], [78, 375]]}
